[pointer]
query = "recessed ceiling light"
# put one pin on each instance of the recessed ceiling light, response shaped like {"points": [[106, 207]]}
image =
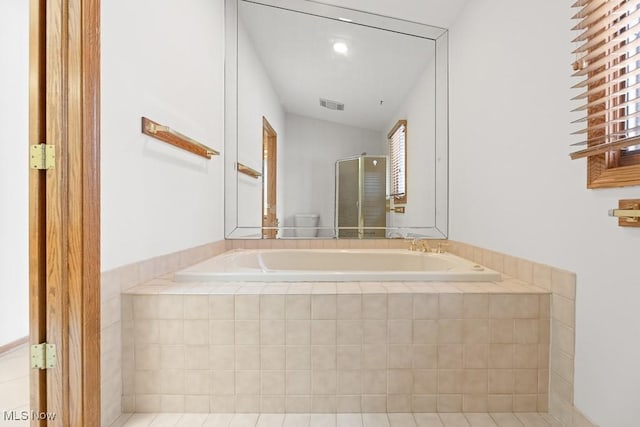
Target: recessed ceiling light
{"points": [[341, 48]]}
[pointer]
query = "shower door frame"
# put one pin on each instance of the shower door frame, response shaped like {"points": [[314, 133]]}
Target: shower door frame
{"points": [[64, 209]]}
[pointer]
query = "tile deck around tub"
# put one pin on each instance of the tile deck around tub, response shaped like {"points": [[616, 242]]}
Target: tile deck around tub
{"points": [[344, 347], [166, 285]]}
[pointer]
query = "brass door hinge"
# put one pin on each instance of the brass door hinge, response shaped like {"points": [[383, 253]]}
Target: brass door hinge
{"points": [[43, 156], [43, 356]]}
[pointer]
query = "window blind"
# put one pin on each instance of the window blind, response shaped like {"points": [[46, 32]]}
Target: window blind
{"points": [[397, 153], [608, 63]]}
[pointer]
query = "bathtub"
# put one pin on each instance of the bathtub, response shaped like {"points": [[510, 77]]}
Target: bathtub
{"points": [[335, 265]]}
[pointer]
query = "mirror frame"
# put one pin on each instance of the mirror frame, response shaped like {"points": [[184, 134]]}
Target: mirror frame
{"points": [[439, 230]]}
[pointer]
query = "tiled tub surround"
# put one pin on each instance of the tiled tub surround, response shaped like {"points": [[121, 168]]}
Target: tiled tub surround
{"points": [[327, 347]]}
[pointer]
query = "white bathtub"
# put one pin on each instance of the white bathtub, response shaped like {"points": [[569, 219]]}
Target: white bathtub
{"points": [[334, 265]]}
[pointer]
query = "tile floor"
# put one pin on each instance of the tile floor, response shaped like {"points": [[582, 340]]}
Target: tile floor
{"points": [[338, 420], [14, 396]]}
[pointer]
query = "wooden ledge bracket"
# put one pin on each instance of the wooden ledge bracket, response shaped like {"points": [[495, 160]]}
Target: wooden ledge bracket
{"points": [[248, 171], [628, 213], [170, 136]]}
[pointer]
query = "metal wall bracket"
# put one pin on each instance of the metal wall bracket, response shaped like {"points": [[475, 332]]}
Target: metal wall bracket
{"points": [[42, 157], [43, 356], [628, 213]]}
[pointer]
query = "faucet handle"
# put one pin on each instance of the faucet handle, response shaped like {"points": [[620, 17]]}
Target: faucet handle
{"points": [[413, 246]]}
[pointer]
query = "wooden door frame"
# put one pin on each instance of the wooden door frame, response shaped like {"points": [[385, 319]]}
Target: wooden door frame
{"points": [[64, 208], [270, 145]]}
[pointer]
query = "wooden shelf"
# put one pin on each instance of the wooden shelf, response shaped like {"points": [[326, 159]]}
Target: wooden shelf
{"points": [[248, 171], [168, 135]]}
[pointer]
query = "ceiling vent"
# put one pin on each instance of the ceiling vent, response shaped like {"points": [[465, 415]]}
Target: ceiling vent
{"points": [[331, 105]]}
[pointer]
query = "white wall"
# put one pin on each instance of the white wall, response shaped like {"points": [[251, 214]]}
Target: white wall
{"points": [[310, 153], [418, 108], [257, 98], [164, 62], [14, 185], [515, 190]]}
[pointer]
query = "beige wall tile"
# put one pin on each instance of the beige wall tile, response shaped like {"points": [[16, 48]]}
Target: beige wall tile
{"points": [[425, 331], [400, 403], [563, 309], [298, 357], [450, 331], [526, 331], [223, 404], [170, 331], [561, 387], [349, 382], [475, 306], [374, 403], [560, 409], [400, 331], [196, 383], [323, 332], [298, 307], [247, 357], [500, 402], [221, 332], [246, 404], [349, 332], [196, 357], [196, 307], [525, 356], [425, 356], [272, 383], [196, 332], [374, 356], [298, 332], [374, 381], [374, 306], [221, 307], [525, 403], [323, 357], [400, 306], [349, 306], [501, 356], [475, 331], [525, 381], [346, 404], [272, 358], [323, 307], [425, 306], [450, 356], [449, 403], [563, 283], [525, 270], [323, 404], [475, 403], [247, 382], [171, 357], [510, 265], [501, 331], [349, 357], [272, 405], [146, 403], [247, 332], [374, 331], [563, 337], [247, 307], [400, 356], [451, 306], [145, 306], [474, 381], [272, 332], [272, 307], [449, 381], [562, 364], [425, 381], [298, 404], [475, 356], [542, 276], [170, 307], [501, 381], [298, 382]]}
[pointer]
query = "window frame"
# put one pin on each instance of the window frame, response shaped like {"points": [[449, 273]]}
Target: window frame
{"points": [[613, 168], [401, 198]]}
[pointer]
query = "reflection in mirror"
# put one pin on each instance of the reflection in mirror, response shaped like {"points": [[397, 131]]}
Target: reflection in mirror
{"points": [[318, 96]]}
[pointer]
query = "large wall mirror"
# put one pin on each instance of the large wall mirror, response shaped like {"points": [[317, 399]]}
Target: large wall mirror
{"points": [[336, 123]]}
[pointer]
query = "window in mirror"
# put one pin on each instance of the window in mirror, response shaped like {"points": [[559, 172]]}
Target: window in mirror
{"points": [[398, 161]]}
